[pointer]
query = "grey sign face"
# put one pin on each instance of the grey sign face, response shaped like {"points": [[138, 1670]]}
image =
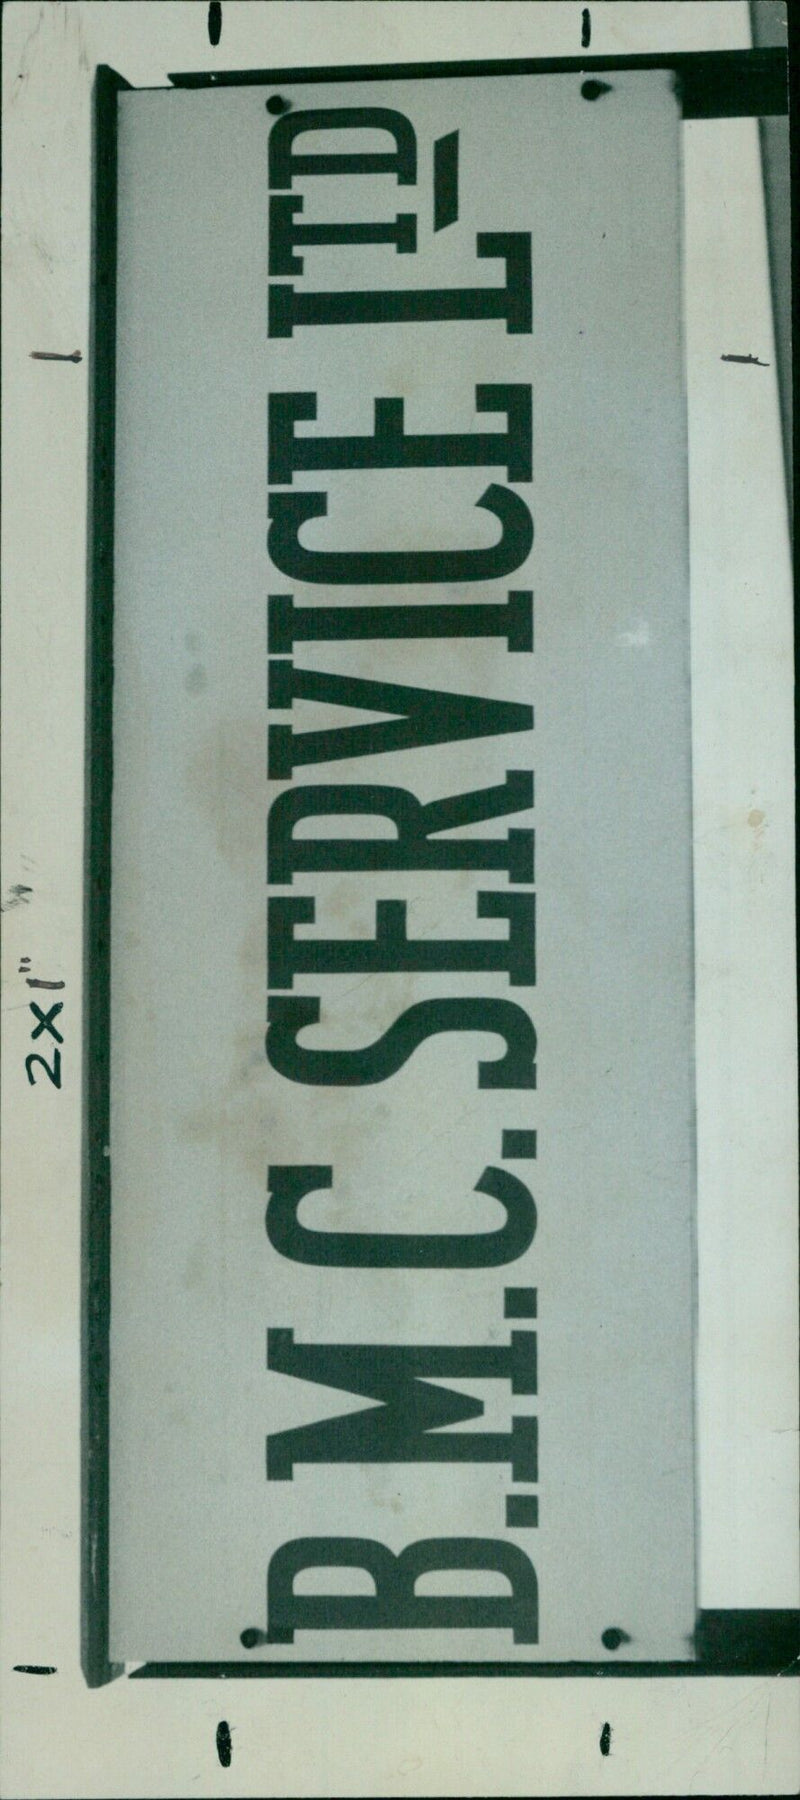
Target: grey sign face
{"points": [[402, 1295]]}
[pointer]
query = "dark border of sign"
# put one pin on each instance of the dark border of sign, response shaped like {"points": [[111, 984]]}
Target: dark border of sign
{"points": [[732, 1642], [96, 1219], [714, 84]]}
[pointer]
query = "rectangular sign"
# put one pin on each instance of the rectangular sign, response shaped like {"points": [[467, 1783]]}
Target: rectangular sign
{"points": [[402, 1098]]}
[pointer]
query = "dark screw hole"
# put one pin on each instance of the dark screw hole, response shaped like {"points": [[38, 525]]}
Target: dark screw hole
{"points": [[277, 104], [594, 90], [613, 1636]]}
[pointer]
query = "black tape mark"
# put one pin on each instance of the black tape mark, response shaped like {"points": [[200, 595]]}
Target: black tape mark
{"points": [[31, 981], [224, 1744], [56, 356], [586, 28], [605, 1740], [214, 23], [755, 360], [35, 1669]]}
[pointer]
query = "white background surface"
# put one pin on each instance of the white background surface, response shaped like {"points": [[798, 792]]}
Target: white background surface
{"points": [[522, 1737]]}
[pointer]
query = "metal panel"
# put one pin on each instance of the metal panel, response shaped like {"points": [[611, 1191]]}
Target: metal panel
{"points": [[197, 1111]]}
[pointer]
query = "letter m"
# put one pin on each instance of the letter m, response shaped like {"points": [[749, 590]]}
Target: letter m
{"points": [[404, 1427]]}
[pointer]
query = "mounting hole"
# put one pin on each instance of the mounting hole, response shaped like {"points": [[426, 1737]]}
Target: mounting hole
{"points": [[594, 90]]}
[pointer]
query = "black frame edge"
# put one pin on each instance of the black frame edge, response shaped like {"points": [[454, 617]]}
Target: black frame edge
{"points": [[238, 1671], [749, 1643], [749, 1640], [772, 24], [714, 84], [96, 1182], [727, 1642]]}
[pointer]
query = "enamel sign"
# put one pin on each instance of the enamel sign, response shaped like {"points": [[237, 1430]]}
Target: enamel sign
{"points": [[401, 1064]]}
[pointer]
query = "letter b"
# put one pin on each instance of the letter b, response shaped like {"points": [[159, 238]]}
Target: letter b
{"points": [[395, 1604]]}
